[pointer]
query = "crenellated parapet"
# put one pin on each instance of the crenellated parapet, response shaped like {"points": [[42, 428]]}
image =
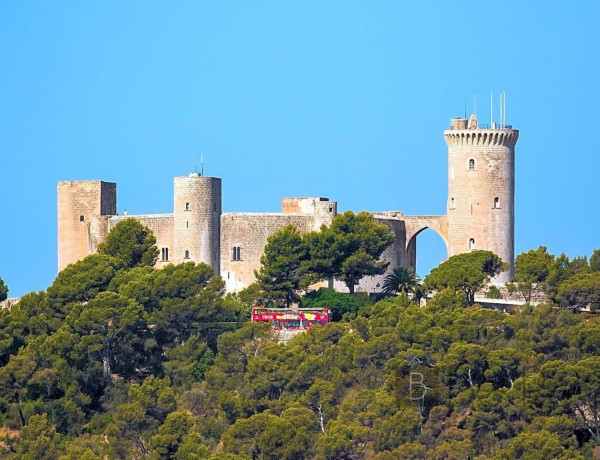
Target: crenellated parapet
{"points": [[482, 137]]}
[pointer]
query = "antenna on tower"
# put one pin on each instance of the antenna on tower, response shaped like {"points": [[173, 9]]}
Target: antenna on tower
{"points": [[201, 165], [501, 118], [491, 110], [465, 107], [504, 109], [475, 103]]}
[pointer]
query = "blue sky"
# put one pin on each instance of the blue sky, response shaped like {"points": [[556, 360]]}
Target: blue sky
{"points": [[340, 99]]}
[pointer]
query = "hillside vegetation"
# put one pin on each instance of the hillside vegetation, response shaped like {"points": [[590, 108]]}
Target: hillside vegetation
{"points": [[119, 360]]}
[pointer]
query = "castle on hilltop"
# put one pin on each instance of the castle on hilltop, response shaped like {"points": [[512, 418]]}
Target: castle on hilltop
{"points": [[480, 214]]}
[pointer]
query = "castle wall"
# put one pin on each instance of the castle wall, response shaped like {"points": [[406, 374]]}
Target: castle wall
{"points": [[249, 232], [162, 225], [79, 203], [98, 229], [298, 205], [322, 210]]}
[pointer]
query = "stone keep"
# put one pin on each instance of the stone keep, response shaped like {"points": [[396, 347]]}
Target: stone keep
{"points": [[481, 190]]}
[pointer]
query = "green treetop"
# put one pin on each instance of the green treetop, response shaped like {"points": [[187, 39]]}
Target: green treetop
{"points": [[83, 280], [280, 276], [3, 290], [132, 242], [402, 280], [595, 260], [467, 272], [563, 269], [350, 248], [532, 269], [580, 292]]}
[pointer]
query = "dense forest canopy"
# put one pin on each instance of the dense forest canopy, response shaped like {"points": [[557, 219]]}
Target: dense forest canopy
{"points": [[119, 360]]}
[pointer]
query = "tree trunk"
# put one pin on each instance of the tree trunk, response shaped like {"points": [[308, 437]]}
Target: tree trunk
{"points": [[106, 367], [321, 419], [320, 415], [594, 408], [509, 378], [106, 363], [18, 398], [141, 446], [350, 284], [470, 296]]}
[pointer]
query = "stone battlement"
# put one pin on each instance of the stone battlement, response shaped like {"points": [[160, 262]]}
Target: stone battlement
{"points": [[482, 137]]}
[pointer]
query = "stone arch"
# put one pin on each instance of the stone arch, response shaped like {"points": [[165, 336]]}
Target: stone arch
{"points": [[416, 224]]}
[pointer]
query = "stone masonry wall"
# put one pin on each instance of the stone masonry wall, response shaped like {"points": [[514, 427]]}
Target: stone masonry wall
{"points": [[249, 232], [162, 227], [321, 208], [79, 202], [97, 231]]}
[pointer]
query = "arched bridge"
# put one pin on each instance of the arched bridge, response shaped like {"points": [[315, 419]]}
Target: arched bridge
{"points": [[416, 224]]}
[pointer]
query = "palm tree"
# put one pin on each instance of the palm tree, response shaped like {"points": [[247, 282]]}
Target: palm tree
{"points": [[402, 280]]}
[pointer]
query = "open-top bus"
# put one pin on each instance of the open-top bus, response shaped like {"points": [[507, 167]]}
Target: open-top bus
{"points": [[292, 319]]}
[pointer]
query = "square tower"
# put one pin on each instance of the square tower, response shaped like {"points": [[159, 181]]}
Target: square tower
{"points": [[80, 205]]}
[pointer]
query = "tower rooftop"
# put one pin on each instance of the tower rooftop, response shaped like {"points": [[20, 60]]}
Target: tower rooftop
{"points": [[459, 124]]}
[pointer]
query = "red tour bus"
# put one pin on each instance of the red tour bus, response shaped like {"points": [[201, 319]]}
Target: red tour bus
{"points": [[291, 318]]}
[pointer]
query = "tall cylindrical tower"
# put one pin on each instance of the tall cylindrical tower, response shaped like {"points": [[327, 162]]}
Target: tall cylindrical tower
{"points": [[197, 220], [481, 190]]}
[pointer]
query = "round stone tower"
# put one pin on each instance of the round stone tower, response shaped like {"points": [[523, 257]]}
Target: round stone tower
{"points": [[197, 220], [481, 190]]}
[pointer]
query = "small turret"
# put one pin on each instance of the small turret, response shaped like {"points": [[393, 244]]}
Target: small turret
{"points": [[197, 220], [473, 124]]}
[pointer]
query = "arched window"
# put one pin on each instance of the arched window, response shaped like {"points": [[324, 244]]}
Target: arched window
{"points": [[472, 243], [236, 253], [496, 203], [471, 164], [452, 203], [187, 255], [165, 254], [187, 206]]}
